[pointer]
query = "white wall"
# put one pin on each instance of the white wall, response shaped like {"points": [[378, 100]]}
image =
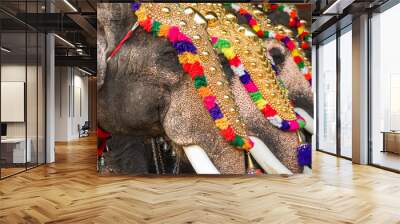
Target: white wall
{"points": [[71, 102]]}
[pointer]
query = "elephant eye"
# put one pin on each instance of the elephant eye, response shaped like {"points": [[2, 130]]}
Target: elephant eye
{"points": [[169, 53], [277, 55], [169, 58]]}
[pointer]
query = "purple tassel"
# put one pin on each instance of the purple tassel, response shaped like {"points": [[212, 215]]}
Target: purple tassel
{"points": [[184, 46], [247, 16], [286, 40], [285, 125], [135, 6], [245, 78], [216, 113], [304, 154]]}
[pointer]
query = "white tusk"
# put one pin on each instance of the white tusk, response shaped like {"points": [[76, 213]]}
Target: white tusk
{"points": [[199, 160], [309, 120], [266, 159]]}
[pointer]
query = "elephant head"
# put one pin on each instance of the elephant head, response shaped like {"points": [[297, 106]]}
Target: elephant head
{"points": [[221, 25], [145, 92], [300, 91]]}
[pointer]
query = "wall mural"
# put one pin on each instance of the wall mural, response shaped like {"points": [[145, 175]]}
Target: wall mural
{"points": [[194, 88]]}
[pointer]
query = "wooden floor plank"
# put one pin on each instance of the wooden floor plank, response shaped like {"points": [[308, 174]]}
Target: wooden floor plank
{"points": [[69, 191]]}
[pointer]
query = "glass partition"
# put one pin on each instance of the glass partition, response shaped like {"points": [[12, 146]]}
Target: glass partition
{"points": [[327, 96], [13, 105], [22, 89]]}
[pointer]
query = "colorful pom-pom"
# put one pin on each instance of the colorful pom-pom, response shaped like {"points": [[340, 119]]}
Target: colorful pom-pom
{"points": [[228, 133], [216, 112], [304, 154], [200, 81], [244, 79], [184, 46], [237, 141], [268, 111], [235, 61], [285, 125]]}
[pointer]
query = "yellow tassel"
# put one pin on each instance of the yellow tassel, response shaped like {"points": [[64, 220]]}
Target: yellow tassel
{"points": [[228, 52], [300, 30], [222, 123], [295, 53], [256, 28], [188, 57], [141, 14], [261, 104]]}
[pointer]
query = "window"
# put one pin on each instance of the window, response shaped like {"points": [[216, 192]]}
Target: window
{"points": [[346, 92], [327, 96], [385, 89]]}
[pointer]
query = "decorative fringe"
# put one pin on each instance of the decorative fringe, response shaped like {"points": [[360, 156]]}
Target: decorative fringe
{"points": [[188, 58], [304, 154], [291, 45], [245, 78]]}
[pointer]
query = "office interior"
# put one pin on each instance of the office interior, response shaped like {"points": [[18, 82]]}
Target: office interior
{"points": [[48, 81], [358, 81]]}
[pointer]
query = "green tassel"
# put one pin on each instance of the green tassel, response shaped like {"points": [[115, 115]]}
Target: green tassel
{"points": [[200, 81], [155, 28], [302, 124], [301, 64], [222, 43], [255, 96], [266, 34], [237, 142]]}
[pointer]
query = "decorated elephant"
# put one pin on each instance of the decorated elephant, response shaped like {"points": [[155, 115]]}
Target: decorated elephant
{"points": [[291, 61], [143, 92]]}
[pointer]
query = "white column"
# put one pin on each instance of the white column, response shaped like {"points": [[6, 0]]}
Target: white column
{"points": [[360, 90], [50, 94]]}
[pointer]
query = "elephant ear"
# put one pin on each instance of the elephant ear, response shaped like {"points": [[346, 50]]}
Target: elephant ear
{"points": [[113, 21]]}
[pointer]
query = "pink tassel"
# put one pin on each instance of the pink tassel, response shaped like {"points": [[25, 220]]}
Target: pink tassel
{"points": [[173, 33], [214, 40], [293, 125], [250, 87], [209, 102]]}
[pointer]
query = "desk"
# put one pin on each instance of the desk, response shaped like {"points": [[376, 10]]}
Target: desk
{"points": [[13, 150], [391, 141]]}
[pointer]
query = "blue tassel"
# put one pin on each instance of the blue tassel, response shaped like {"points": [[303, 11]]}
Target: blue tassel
{"points": [[183, 46], [135, 6], [245, 78], [285, 125], [304, 154]]}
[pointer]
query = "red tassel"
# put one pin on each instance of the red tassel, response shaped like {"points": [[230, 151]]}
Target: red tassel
{"points": [[228, 133], [292, 22], [308, 76], [235, 61], [195, 70], [291, 45], [260, 33], [297, 59], [304, 45], [268, 111]]}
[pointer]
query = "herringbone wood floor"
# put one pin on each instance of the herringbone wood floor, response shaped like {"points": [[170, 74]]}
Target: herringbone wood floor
{"points": [[70, 191]]}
